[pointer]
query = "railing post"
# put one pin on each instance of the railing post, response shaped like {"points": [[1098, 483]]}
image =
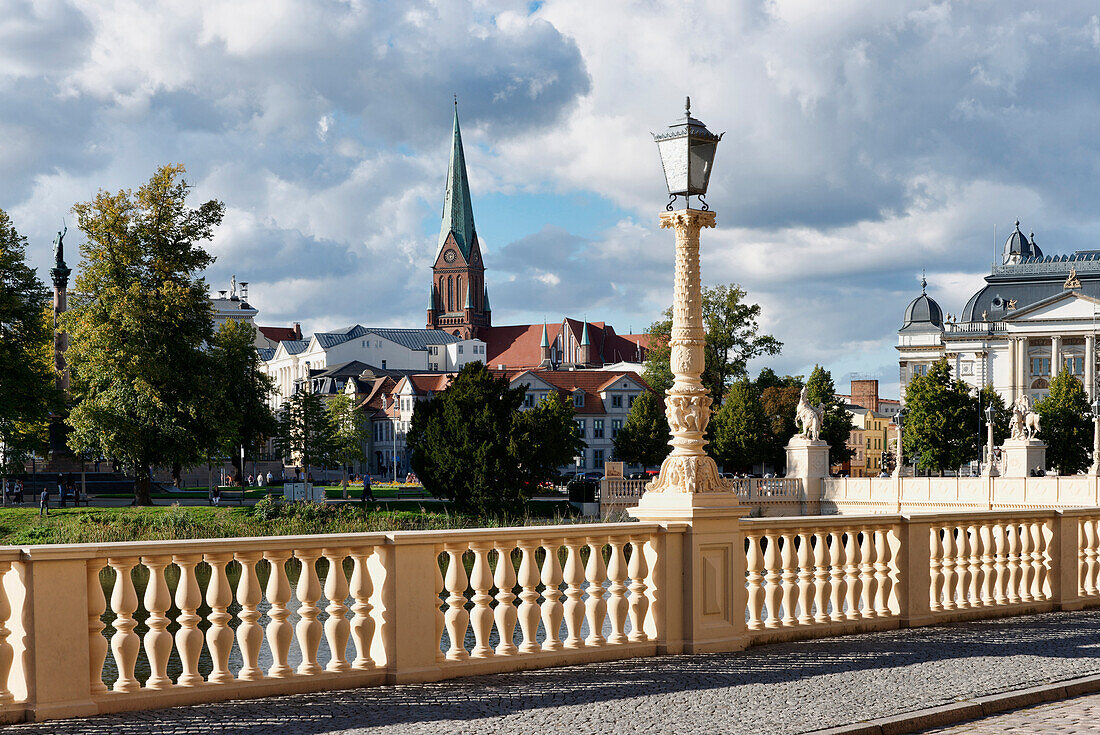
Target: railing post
{"points": [[406, 602], [53, 626], [913, 565], [1063, 547]]}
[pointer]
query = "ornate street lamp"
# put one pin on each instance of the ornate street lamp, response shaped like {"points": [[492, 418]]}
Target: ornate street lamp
{"points": [[1095, 468], [899, 422], [990, 469], [687, 153]]}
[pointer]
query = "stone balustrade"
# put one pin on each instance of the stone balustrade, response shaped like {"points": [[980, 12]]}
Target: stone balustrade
{"points": [[930, 494], [87, 629], [773, 495]]}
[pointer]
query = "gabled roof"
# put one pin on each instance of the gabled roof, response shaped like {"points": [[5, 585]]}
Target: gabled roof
{"points": [[330, 339], [415, 339], [295, 346], [458, 212], [280, 334], [266, 353], [520, 345]]}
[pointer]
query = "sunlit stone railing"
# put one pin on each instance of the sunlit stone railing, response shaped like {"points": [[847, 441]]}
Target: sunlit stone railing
{"points": [[88, 629], [783, 494]]}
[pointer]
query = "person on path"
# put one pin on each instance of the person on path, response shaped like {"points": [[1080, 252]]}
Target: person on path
{"points": [[217, 495], [19, 490], [44, 503], [270, 477], [368, 491]]}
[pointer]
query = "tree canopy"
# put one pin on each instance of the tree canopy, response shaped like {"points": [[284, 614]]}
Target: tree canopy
{"points": [[472, 445], [940, 426], [733, 337], [644, 437], [244, 416], [139, 333], [741, 429], [1066, 429], [306, 432], [350, 433], [26, 370], [836, 422]]}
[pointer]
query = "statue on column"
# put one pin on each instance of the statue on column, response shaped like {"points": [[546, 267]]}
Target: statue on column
{"points": [[1025, 422], [809, 417], [59, 247]]}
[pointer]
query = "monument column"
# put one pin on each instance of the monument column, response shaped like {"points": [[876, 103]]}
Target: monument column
{"points": [[60, 276]]}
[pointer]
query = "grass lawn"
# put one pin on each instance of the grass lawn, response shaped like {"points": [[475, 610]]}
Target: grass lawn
{"points": [[23, 526]]}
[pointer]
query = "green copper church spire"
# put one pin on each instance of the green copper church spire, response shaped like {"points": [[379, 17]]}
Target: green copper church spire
{"points": [[458, 213]]}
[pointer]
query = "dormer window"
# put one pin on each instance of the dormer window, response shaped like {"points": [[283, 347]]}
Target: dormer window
{"points": [[578, 399]]}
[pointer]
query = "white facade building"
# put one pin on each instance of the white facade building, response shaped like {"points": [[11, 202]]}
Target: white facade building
{"points": [[1035, 317]]}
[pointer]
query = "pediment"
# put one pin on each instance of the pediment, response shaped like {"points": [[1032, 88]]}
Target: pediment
{"points": [[1066, 306], [450, 245], [530, 378]]}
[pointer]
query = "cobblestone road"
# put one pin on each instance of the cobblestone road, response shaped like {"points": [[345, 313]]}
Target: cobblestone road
{"points": [[1071, 717], [784, 688]]}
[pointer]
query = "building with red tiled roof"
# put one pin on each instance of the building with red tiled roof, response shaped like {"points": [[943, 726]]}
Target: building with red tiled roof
{"points": [[568, 343]]}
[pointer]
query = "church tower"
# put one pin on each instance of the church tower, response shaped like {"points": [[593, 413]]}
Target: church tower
{"points": [[459, 301]]}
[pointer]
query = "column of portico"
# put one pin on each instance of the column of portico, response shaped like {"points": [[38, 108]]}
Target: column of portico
{"points": [[1055, 356], [1090, 365]]}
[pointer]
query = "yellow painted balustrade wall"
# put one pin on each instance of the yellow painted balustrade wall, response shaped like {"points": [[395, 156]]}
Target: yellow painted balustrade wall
{"points": [[87, 629]]}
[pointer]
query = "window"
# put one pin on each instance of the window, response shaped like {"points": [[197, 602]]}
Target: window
{"points": [[383, 364], [630, 404], [597, 428], [1040, 366], [529, 400], [1075, 365], [580, 427], [460, 349], [597, 458], [616, 401], [616, 425], [920, 370], [578, 399]]}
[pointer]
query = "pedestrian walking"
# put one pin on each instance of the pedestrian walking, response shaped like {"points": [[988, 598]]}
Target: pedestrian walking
{"points": [[44, 503], [368, 491], [19, 490]]}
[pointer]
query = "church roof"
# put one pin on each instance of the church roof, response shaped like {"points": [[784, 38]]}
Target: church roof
{"points": [[458, 213], [1018, 245], [414, 339], [923, 313]]}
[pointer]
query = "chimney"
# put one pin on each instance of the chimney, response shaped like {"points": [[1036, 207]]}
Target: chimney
{"points": [[297, 330]]}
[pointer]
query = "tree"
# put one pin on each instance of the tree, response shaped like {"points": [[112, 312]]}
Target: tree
{"points": [[836, 422], [305, 430], [732, 339], [740, 429], [1002, 415], [244, 416], [645, 435], [26, 374], [1065, 428], [940, 427], [544, 438], [351, 431], [140, 331], [779, 399]]}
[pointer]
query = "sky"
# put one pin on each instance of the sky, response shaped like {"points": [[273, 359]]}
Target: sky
{"points": [[865, 142]]}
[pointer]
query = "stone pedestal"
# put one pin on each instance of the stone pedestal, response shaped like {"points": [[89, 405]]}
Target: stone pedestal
{"points": [[808, 460], [1021, 456]]}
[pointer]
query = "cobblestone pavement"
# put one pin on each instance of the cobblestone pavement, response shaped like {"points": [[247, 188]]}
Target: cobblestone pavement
{"points": [[782, 688], [1072, 717]]}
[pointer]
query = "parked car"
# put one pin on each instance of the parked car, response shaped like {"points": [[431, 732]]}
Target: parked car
{"points": [[637, 476], [593, 476]]}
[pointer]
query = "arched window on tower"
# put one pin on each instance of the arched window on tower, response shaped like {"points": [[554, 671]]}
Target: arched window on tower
{"points": [[450, 294], [460, 295]]}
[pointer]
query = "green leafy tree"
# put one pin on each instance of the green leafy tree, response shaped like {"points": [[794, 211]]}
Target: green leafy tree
{"points": [[1002, 414], [779, 399], [139, 333], [740, 429], [645, 434], [940, 426], [544, 438], [1065, 428], [305, 430], [836, 422], [244, 415], [733, 338], [351, 431], [26, 375]]}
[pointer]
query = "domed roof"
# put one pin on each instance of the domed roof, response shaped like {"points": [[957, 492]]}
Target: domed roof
{"points": [[1035, 251], [923, 311], [1017, 246]]}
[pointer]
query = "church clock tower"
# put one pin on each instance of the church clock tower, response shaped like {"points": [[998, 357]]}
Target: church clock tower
{"points": [[459, 300]]}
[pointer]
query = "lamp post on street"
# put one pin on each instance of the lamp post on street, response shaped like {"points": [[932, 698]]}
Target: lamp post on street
{"points": [[899, 421], [990, 469]]}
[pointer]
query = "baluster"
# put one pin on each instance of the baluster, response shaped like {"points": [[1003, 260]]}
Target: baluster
{"points": [[950, 579], [935, 566], [805, 579], [595, 606], [1027, 572], [528, 597], [638, 569], [1000, 544], [821, 577], [337, 628], [616, 602], [962, 569], [279, 631], [188, 637], [440, 618], [839, 587], [1038, 554], [7, 653], [989, 572], [97, 643], [249, 633], [1087, 555], [790, 587], [308, 629], [852, 555], [1013, 532], [574, 593], [867, 574], [124, 643], [551, 595], [158, 641], [505, 613], [1094, 547], [362, 624], [457, 619], [755, 594], [219, 636], [481, 617], [772, 576], [882, 573], [976, 575]]}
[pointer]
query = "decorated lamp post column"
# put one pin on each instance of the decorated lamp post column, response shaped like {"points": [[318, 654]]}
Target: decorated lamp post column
{"points": [[899, 458], [990, 469], [1095, 468]]}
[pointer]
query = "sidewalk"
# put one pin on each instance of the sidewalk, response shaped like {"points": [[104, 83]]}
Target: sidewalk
{"points": [[782, 688]]}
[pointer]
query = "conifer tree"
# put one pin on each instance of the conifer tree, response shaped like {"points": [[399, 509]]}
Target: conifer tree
{"points": [[836, 423], [645, 434], [740, 429]]}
